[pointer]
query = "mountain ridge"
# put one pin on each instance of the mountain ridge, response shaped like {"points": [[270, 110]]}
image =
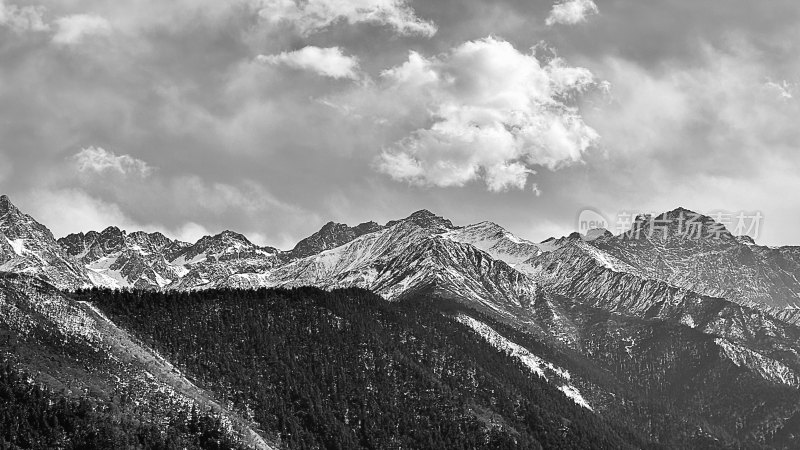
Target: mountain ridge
{"points": [[608, 306], [653, 247]]}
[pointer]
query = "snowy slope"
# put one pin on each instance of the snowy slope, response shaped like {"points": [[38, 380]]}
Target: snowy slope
{"points": [[101, 355], [537, 366], [28, 247]]}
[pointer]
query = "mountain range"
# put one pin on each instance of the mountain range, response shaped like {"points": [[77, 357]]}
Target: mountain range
{"points": [[681, 337]]}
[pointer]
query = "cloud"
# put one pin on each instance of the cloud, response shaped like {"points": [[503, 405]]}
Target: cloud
{"points": [[709, 135], [25, 18], [66, 211], [69, 210], [311, 16], [5, 166], [784, 89], [482, 111], [194, 194], [189, 232], [571, 12], [100, 160], [720, 105], [328, 62], [75, 28]]}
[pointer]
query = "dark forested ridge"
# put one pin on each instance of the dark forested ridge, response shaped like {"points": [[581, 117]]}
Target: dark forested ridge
{"points": [[308, 368], [34, 418], [346, 369]]}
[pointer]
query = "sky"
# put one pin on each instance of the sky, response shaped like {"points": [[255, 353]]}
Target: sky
{"points": [[273, 117]]}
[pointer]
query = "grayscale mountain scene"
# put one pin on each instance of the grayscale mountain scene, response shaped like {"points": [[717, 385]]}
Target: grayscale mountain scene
{"points": [[399, 224]]}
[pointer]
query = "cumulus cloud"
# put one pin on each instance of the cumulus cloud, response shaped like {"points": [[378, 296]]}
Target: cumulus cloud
{"points": [[22, 18], [100, 160], [328, 62], [720, 105], [75, 28], [482, 111], [311, 16], [711, 132], [571, 12]]}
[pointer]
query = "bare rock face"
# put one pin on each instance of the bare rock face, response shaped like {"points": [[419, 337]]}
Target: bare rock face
{"points": [[331, 235], [692, 251], [28, 247], [117, 259]]}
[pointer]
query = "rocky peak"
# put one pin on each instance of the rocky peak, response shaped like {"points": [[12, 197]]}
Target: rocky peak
{"points": [[29, 247], [232, 236], [223, 245], [422, 213], [331, 228], [112, 231], [74, 243], [150, 241], [221, 241], [486, 230], [597, 233], [6, 206], [745, 239], [552, 243], [15, 224], [331, 235], [678, 224], [11, 217], [111, 239], [366, 227], [425, 219]]}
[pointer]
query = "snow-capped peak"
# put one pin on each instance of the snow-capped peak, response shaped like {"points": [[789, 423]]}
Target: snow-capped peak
{"points": [[26, 246], [425, 219]]}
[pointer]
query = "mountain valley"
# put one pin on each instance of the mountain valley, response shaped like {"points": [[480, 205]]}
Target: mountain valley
{"points": [[640, 340]]}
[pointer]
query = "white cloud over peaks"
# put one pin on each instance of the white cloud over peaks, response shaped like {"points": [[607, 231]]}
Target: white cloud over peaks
{"points": [[51, 206], [783, 89], [482, 111], [311, 16], [24, 18], [75, 28], [329, 62], [87, 212], [100, 160], [571, 12]]}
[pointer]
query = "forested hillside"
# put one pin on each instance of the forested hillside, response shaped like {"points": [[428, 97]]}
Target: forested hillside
{"points": [[346, 369], [34, 418]]}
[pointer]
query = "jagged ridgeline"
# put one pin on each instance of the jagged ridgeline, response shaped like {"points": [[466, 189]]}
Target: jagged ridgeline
{"points": [[346, 369], [641, 337]]}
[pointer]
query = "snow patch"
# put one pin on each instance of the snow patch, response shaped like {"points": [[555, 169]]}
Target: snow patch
{"points": [[688, 321], [767, 368], [574, 394], [18, 245], [534, 363], [161, 281], [599, 256], [498, 341]]}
